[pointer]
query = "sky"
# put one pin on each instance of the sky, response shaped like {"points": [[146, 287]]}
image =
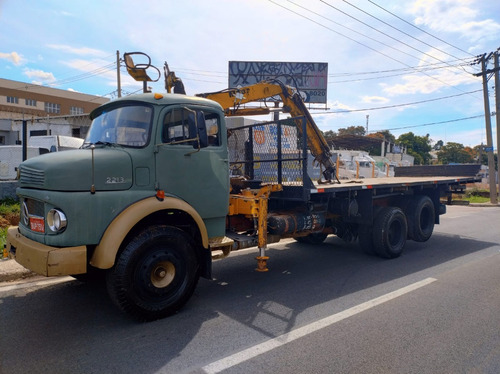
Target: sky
{"points": [[403, 66]]}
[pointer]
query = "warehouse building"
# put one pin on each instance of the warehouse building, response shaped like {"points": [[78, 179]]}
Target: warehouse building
{"points": [[47, 110]]}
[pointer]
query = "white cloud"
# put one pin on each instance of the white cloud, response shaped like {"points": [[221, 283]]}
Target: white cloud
{"points": [[457, 16], [65, 14], [90, 52], [374, 100], [94, 67], [13, 57], [429, 81], [39, 76], [415, 84], [337, 105]]}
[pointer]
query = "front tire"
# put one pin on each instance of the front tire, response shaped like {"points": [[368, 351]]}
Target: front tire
{"points": [[155, 274]]}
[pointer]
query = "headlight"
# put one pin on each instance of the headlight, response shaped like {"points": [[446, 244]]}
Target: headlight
{"points": [[56, 220]]}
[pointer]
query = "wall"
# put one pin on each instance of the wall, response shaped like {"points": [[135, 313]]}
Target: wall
{"points": [[8, 189]]}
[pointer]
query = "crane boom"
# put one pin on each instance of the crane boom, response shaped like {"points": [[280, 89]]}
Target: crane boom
{"points": [[231, 99]]}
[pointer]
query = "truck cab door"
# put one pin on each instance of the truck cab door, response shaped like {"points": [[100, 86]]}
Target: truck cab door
{"points": [[197, 175]]}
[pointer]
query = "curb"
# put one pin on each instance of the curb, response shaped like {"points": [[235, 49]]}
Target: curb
{"points": [[485, 205], [10, 271]]}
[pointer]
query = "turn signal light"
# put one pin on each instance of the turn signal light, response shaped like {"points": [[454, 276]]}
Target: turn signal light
{"points": [[160, 195]]}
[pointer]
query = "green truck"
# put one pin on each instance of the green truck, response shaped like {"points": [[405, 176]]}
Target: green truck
{"points": [[161, 187]]}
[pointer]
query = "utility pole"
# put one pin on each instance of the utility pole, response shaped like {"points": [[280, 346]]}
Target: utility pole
{"points": [[118, 79], [497, 109], [489, 137]]}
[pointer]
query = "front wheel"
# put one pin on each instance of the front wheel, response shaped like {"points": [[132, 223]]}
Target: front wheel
{"points": [[155, 274]]}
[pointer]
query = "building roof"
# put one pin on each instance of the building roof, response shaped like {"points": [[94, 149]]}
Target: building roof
{"points": [[49, 91], [353, 141]]}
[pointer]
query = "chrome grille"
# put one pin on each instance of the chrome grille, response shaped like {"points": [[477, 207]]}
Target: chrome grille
{"points": [[31, 177], [35, 207], [31, 208]]}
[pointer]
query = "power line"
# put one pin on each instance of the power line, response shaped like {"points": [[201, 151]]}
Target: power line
{"points": [[398, 105], [89, 74], [401, 31], [354, 31], [60, 82], [381, 32], [420, 29], [343, 35], [383, 76], [431, 123], [360, 43], [401, 71], [431, 66]]}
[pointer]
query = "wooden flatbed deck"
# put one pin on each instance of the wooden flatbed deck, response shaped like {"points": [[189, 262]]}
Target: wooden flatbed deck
{"points": [[387, 182]]}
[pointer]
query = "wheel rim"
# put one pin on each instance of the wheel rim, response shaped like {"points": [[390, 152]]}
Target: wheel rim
{"points": [[162, 274]]}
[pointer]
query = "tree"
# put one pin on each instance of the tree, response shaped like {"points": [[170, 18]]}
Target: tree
{"points": [[353, 130], [329, 134], [439, 144], [417, 146], [386, 134], [454, 153], [481, 157]]}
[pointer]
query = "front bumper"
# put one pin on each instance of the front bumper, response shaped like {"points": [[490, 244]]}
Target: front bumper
{"points": [[45, 260]]}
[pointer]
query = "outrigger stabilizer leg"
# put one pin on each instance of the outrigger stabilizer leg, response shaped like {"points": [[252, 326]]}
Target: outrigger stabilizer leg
{"points": [[262, 260]]}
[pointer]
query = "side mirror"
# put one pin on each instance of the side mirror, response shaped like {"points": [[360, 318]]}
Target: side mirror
{"points": [[198, 129], [202, 129]]}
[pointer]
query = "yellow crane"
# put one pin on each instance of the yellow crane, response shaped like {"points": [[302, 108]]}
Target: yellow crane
{"points": [[232, 99]]}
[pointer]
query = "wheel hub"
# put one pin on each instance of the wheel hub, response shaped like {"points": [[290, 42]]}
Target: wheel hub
{"points": [[162, 274]]}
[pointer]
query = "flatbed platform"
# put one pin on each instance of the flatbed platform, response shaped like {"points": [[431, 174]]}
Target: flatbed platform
{"points": [[387, 182]]}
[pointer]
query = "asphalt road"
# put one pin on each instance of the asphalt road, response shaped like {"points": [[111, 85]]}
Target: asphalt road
{"points": [[320, 309]]}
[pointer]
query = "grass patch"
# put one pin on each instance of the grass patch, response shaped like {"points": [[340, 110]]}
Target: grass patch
{"points": [[477, 195], [477, 199], [9, 216]]}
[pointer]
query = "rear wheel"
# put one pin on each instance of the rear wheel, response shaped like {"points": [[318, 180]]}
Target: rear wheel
{"points": [[389, 232], [421, 217], [155, 274]]}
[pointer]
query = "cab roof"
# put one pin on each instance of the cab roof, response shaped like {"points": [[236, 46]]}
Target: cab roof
{"points": [[162, 99]]}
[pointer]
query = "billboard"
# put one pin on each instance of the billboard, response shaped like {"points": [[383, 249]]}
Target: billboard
{"points": [[310, 78]]}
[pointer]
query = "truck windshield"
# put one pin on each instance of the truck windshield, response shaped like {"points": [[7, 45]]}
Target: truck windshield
{"points": [[128, 126]]}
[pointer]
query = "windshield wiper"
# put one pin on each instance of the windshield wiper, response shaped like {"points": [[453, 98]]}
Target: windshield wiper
{"points": [[99, 143]]}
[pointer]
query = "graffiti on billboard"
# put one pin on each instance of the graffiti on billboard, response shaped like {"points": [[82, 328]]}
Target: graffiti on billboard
{"points": [[310, 78]]}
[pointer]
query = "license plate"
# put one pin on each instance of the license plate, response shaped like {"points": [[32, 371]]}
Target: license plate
{"points": [[37, 224]]}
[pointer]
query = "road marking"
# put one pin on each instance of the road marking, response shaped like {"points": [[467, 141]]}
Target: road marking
{"points": [[256, 350], [41, 283]]}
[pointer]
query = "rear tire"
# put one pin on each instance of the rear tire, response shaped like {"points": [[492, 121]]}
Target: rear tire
{"points": [[155, 274], [390, 230], [421, 217]]}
